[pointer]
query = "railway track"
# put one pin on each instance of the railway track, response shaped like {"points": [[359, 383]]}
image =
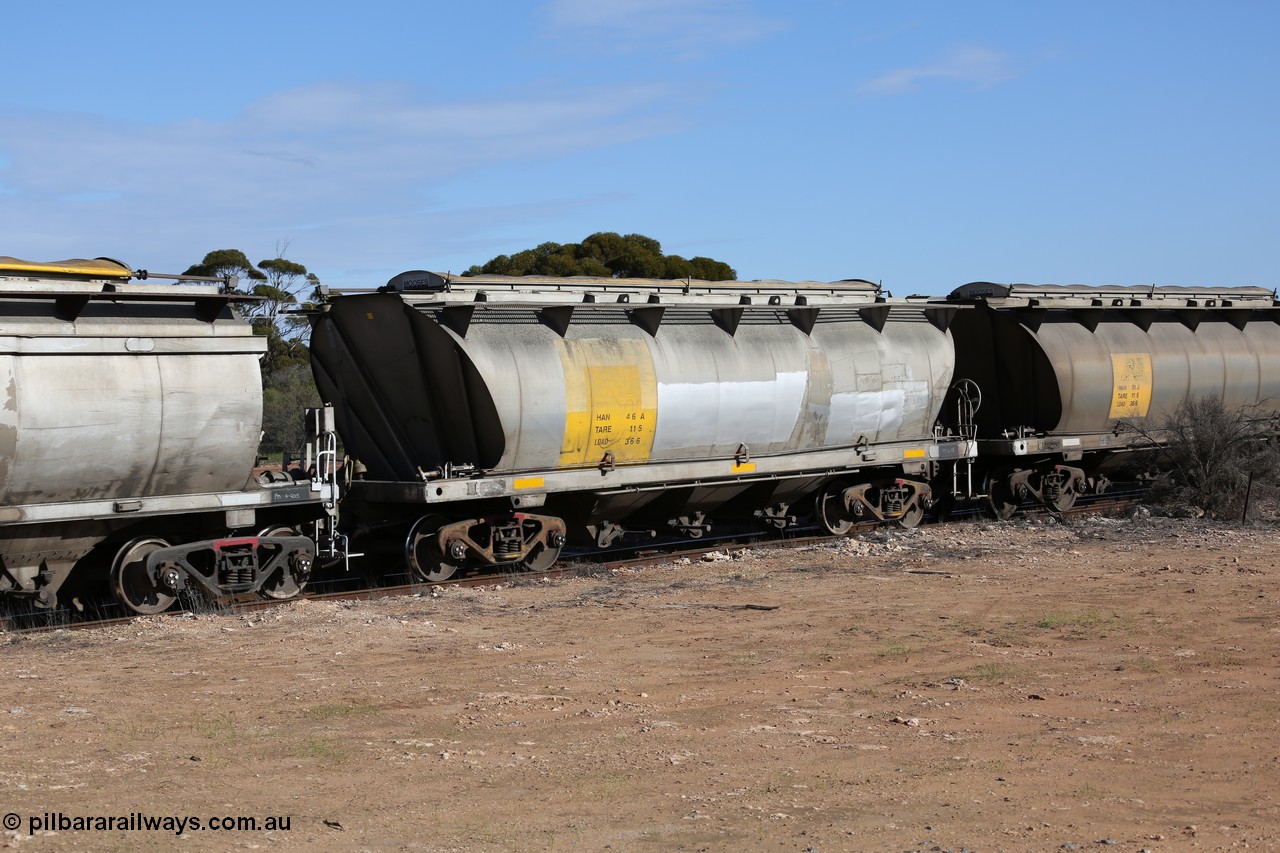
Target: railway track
{"points": [[353, 589]]}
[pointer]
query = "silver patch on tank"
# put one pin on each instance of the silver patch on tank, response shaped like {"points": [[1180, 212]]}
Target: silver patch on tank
{"points": [[707, 414]]}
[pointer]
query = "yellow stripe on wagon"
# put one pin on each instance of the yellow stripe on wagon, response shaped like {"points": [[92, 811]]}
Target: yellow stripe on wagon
{"points": [[913, 453], [528, 482], [744, 467]]}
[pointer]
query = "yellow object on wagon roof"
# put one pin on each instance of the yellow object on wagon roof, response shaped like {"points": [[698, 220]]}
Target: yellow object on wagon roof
{"points": [[96, 268]]}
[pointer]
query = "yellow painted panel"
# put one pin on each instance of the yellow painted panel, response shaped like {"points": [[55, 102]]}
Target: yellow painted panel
{"points": [[913, 453], [611, 401], [1131, 385], [744, 468], [528, 482]]}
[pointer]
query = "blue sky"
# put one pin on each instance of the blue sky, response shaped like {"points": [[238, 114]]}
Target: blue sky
{"points": [[919, 144]]}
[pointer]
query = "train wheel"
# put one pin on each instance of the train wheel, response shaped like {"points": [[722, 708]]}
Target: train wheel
{"points": [[422, 551], [1064, 501], [541, 558], [911, 518], [1000, 496], [282, 584], [129, 580], [829, 510]]}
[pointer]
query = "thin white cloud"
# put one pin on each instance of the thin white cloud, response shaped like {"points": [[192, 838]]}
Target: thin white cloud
{"points": [[348, 166], [977, 66], [689, 28]]}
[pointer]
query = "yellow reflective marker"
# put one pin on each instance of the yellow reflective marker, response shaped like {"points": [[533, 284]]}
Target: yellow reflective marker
{"points": [[744, 467], [913, 453], [528, 482]]}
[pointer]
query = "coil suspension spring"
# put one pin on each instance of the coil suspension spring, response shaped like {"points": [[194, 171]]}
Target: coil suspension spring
{"points": [[894, 501], [508, 542], [237, 568], [236, 574]]}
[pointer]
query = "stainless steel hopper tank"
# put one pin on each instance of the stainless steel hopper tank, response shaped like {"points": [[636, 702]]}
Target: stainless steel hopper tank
{"points": [[132, 410], [666, 397], [1068, 372]]}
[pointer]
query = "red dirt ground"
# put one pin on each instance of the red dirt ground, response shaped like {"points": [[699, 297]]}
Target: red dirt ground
{"points": [[1107, 684]]}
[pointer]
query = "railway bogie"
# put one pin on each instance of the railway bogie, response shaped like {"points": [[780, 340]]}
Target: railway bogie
{"points": [[437, 547]]}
